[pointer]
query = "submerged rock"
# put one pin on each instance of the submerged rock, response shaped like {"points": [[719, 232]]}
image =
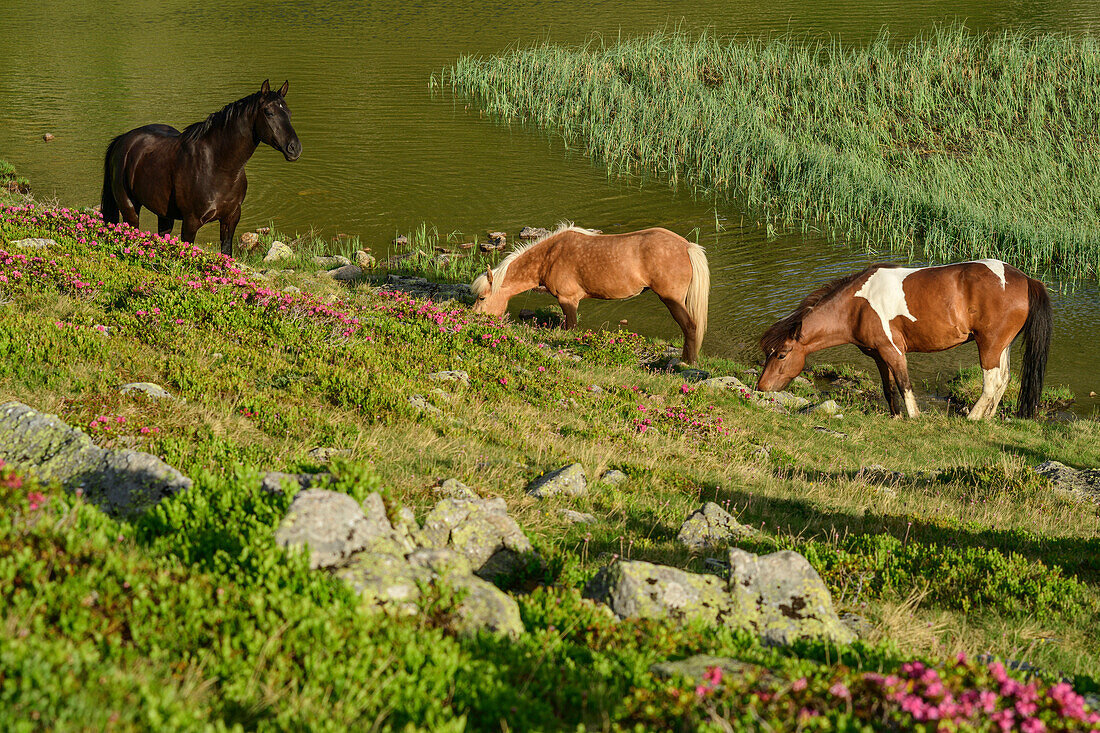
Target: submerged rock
{"points": [[570, 480], [120, 482], [711, 526]]}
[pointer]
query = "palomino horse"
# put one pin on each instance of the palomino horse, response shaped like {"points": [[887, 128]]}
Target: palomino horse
{"points": [[573, 263], [196, 175], [888, 311]]}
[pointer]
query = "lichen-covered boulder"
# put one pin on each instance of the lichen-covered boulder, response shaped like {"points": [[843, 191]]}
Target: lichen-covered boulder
{"points": [[575, 517], [386, 582], [483, 606], [828, 407], [482, 530], [570, 480], [613, 477], [1084, 481], [786, 596], [455, 489], [451, 375], [779, 401], [711, 526], [153, 390], [120, 482], [332, 527], [278, 251], [720, 383], [635, 589]]}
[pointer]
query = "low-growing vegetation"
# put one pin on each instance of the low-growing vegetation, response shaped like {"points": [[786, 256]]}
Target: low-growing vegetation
{"points": [[190, 617], [954, 145]]}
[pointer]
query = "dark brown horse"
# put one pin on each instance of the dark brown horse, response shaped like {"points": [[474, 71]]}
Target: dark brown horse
{"points": [[196, 175], [888, 311], [572, 264]]}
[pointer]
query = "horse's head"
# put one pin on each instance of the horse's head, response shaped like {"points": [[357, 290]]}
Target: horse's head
{"points": [[489, 299], [784, 356], [272, 124]]}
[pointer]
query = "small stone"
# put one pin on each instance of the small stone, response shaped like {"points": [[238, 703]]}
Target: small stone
{"points": [[420, 402], [569, 480], [347, 273], [499, 239], [47, 137], [485, 607], [326, 454], [720, 383], [330, 262], [595, 389], [573, 517], [34, 243], [250, 241], [153, 390], [613, 477], [711, 526], [533, 232], [278, 251], [401, 241], [454, 375], [828, 407], [694, 375], [365, 260], [455, 489]]}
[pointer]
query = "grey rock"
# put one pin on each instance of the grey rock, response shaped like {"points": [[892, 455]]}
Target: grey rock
{"points": [[1084, 481], [329, 525], [613, 477], [278, 251], [635, 589], [482, 530], [455, 489], [120, 482], [878, 474], [483, 606], [858, 625], [694, 375], [401, 241], [347, 273], [153, 390], [570, 480], [828, 407], [34, 243], [388, 582], [789, 597], [574, 517], [326, 454], [533, 232], [365, 260], [441, 561], [330, 262], [453, 375], [779, 401], [420, 402], [276, 482], [711, 526], [720, 383]]}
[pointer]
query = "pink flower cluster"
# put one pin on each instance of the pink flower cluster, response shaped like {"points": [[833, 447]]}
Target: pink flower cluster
{"points": [[683, 419], [712, 677]]}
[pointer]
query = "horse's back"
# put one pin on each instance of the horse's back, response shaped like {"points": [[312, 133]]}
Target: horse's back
{"points": [[621, 265]]}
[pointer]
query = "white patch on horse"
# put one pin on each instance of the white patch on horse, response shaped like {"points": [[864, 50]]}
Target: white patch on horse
{"points": [[883, 291], [998, 269]]}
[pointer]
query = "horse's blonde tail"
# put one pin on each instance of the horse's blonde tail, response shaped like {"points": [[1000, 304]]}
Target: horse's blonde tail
{"points": [[697, 300]]}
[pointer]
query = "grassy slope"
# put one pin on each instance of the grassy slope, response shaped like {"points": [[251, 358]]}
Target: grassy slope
{"points": [[190, 616], [968, 145]]}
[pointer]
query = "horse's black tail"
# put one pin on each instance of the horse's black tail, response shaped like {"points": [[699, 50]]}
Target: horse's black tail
{"points": [[1037, 331], [108, 207]]}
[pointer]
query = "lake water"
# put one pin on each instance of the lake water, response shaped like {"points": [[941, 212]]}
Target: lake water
{"points": [[382, 154]]}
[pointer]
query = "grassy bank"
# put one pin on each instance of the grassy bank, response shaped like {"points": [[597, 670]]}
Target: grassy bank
{"points": [[190, 617], [953, 145]]}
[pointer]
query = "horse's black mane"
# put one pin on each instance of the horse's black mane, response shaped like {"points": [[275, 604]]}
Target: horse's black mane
{"points": [[223, 117], [790, 327]]}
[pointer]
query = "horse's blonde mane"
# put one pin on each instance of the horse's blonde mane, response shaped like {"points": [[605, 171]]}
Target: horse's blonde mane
{"points": [[480, 285]]}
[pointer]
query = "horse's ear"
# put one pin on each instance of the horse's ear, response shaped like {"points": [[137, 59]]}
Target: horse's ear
{"points": [[283, 89], [265, 87], [489, 274]]}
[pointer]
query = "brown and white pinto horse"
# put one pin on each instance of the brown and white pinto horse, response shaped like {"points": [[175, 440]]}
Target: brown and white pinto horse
{"points": [[888, 311], [572, 263]]}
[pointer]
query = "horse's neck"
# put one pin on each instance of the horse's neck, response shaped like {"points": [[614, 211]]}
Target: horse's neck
{"points": [[232, 144], [829, 324], [524, 272]]}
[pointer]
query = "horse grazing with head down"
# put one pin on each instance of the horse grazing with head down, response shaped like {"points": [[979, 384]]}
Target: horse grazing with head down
{"points": [[573, 263], [888, 311], [196, 175]]}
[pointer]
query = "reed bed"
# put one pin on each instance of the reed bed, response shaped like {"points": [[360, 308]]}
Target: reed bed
{"points": [[952, 145]]}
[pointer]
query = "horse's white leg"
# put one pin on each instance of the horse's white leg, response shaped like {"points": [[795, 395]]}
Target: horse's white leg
{"points": [[911, 402], [994, 382]]}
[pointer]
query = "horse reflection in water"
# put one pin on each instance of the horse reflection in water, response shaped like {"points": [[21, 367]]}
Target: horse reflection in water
{"points": [[196, 175], [572, 263], [888, 311]]}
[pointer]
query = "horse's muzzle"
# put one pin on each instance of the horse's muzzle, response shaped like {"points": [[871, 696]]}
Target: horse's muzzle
{"points": [[293, 150]]}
